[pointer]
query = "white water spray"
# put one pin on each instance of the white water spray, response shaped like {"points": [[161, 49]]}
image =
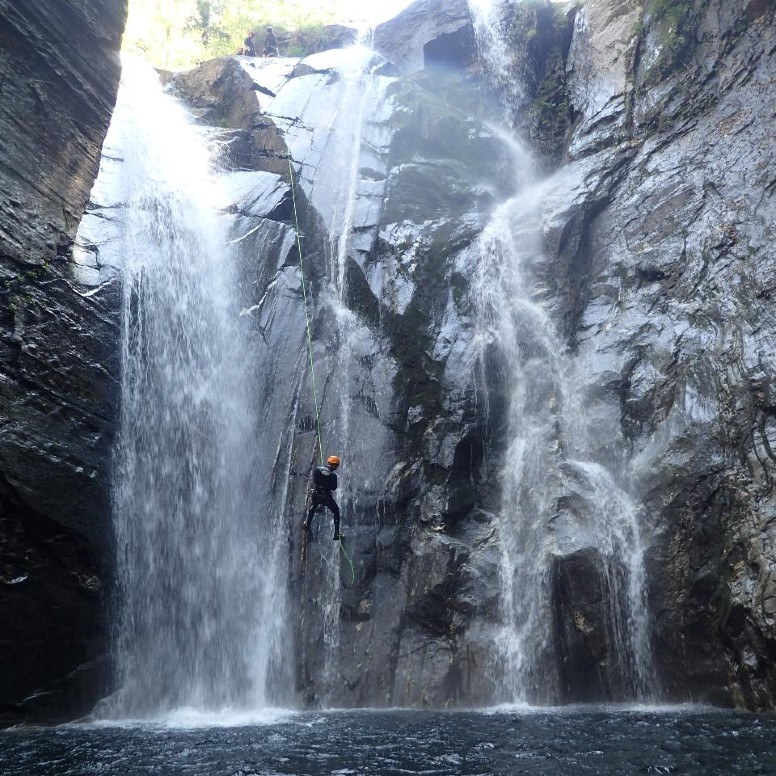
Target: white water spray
{"points": [[343, 168], [499, 56], [551, 448], [197, 617]]}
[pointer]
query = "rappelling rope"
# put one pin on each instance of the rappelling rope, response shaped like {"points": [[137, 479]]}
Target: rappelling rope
{"points": [[306, 316], [350, 562], [318, 433]]}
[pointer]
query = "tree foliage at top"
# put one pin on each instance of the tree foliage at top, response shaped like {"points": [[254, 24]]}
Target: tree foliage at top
{"points": [[178, 34]]}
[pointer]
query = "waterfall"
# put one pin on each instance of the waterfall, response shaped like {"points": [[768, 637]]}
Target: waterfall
{"points": [[498, 55], [357, 74], [338, 190], [199, 614], [558, 495]]}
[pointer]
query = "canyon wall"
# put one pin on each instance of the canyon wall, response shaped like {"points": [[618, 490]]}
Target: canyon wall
{"points": [[58, 356], [651, 180]]}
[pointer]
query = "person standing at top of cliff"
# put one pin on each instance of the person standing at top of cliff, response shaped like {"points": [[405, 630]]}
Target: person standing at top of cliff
{"points": [[271, 44], [323, 486], [249, 48]]}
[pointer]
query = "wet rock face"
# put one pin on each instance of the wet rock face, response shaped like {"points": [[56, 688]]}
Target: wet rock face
{"points": [[657, 272], [55, 105], [667, 301], [426, 33], [657, 269], [58, 367], [585, 644], [539, 37], [391, 324], [220, 93]]}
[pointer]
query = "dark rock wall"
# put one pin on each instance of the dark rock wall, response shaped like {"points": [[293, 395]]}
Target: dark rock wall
{"points": [[59, 73], [538, 35], [658, 269], [663, 275]]}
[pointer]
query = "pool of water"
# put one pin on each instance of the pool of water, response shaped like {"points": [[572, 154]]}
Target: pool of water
{"points": [[343, 743]]}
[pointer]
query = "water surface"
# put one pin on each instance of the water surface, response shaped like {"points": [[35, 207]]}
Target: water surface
{"points": [[574, 741]]}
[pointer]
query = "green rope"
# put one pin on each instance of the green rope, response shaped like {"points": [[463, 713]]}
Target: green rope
{"points": [[350, 562], [306, 316], [310, 350]]}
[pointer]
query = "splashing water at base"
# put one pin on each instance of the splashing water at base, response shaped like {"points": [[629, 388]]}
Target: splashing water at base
{"points": [[191, 589], [593, 742], [548, 461], [550, 457]]}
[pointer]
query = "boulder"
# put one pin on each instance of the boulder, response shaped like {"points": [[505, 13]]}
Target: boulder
{"points": [[221, 93], [425, 33]]}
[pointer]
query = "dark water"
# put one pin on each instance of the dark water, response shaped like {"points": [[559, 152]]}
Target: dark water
{"points": [[406, 742]]}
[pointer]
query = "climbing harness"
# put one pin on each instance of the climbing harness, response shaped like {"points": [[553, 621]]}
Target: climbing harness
{"points": [[318, 434]]}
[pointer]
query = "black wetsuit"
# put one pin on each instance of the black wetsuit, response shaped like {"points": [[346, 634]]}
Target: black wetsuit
{"points": [[271, 45], [324, 484], [249, 47]]}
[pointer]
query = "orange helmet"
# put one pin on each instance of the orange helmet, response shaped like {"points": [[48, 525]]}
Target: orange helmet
{"points": [[333, 460]]}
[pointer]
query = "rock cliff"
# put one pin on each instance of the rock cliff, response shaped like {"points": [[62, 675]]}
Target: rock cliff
{"points": [[652, 216], [60, 72], [656, 270], [663, 279], [653, 225], [408, 162]]}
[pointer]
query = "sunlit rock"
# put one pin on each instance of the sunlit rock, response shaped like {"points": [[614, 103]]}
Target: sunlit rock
{"points": [[421, 35]]}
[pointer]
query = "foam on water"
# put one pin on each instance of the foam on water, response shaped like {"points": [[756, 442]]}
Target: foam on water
{"points": [[188, 718]]}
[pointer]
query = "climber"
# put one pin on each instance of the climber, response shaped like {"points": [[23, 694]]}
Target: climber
{"points": [[249, 49], [271, 44], [324, 482]]}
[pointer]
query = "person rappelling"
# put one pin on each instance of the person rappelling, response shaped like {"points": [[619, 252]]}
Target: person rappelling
{"points": [[324, 478], [323, 485]]}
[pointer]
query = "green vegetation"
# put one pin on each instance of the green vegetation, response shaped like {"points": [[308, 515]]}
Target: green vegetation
{"points": [[16, 290], [307, 38], [179, 34], [540, 34], [670, 10], [674, 23], [550, 111]]}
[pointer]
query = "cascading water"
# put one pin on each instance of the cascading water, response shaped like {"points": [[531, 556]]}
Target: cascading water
{"points": [[491, 42], [356, 76], [340, 177], [198, 625], [528, 350], [550, 456]]}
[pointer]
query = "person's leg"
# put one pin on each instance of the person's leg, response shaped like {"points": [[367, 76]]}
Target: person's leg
{"points": [[334, 507], [310, 514]]}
